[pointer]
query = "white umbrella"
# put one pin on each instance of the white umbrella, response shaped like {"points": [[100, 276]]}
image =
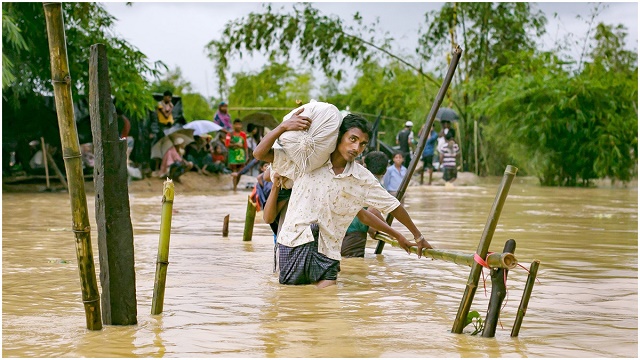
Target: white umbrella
{"points": [[201, 127], [164, 144]]}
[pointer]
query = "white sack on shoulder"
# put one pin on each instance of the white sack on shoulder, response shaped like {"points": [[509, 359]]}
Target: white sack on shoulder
{"points": [[310, 149]]}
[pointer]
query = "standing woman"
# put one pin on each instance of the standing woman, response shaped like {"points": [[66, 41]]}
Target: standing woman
{"points": [[223, 118]]}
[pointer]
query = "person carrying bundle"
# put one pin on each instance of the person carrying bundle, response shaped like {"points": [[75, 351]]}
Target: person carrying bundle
{"points": [[325, 199]]}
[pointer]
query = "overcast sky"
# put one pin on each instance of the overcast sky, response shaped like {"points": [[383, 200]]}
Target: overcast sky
{"points": [[188, 27]]}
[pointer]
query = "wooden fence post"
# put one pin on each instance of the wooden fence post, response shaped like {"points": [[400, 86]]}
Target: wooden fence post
{"points": [[498, 292], [115, 232]]}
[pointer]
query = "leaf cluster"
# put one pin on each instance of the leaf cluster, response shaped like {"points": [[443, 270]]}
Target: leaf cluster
{"points": [[85, 24]]}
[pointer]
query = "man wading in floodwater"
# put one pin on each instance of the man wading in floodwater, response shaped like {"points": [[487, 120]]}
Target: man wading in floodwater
{"points": [[324, 202]]}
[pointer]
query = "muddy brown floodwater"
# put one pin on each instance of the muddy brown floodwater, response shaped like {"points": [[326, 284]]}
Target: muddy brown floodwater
{"points": [[222, 298]]}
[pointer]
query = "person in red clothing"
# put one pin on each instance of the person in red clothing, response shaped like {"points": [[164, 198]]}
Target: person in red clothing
{"points": [[236, 142]]}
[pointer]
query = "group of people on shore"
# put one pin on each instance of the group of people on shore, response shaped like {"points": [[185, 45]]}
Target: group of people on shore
{"points": [[229, 151]]}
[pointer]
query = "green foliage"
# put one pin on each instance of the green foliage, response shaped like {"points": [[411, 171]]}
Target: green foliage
{"points": [[196, 107], [85, 24], [320, 40], [392, 90], [565, 129], [276, 85], [564, 126], [473, 317]]}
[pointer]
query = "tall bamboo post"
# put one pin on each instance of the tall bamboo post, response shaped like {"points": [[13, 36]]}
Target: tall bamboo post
{"points": [[457, 52], [162, 261], [526, 295], [494, 260], [483, 248], [73, 163], [249, 220], [115, 232], [225, 226], [498, 293], [45, 161]]}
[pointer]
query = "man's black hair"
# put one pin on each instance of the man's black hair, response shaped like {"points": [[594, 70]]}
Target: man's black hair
{"points": [[167, 93], [237, 121], [354, 121], [250, 127], [376, 162], [398, 153]]}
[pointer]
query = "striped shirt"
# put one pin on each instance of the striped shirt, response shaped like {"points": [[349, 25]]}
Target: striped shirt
{"points": [[449, 153]]}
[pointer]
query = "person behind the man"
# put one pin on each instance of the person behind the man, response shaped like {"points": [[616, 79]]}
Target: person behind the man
{"points": [[449, 153], [427, 153], [223, 118], [394, 175], [355, 240], [324, 201], [405, 140]]}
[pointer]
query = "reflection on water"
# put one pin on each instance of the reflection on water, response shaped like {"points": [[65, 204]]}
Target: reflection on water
{"points": [[222, 298]]}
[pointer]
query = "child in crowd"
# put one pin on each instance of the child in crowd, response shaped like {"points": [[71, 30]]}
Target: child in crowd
{"points": [[395, 173], [449, 153], [236, 142], [218, 158]]}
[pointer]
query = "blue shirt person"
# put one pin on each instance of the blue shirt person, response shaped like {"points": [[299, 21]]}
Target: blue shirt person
{"points": [[394, 175]]}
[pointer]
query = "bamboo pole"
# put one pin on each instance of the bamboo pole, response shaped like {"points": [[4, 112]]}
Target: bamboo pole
{"points": [[225, 226], [249, 220], [162, 260], [526, 295], [475, 145], [56, 169], [45, 161], [498, 293], [457, 52], [496, 260], [483, 248], [73, 163]]}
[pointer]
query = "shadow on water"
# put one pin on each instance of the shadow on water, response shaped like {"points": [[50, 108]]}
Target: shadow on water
{"points": [[222, 298]]}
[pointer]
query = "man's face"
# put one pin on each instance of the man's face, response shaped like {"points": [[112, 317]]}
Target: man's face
{"points": [[446, 125], [166, 99], [398, 159], [237, 126], [352, 144], [223, 108]]}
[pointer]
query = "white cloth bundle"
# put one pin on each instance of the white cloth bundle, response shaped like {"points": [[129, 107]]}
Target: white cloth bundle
{"points": [[310, 149]]}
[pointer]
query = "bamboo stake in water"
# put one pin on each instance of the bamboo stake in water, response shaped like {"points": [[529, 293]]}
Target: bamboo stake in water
{"points": [[73, 163], [498, 293], [483, 249], [162, 261], [225, 226], [495, 260], [249, 220], [422, 142], [45, 161], [526, 295]]}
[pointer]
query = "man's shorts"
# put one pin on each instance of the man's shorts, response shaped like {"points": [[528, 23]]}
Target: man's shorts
{"points": [[353, 244], [303, 264], [449, 173], [428, 161]]}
